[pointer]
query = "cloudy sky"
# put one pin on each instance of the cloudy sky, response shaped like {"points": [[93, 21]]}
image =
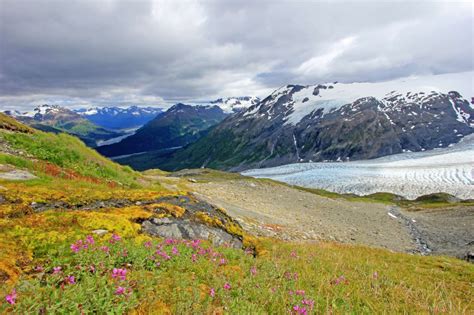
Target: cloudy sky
{"points": [[158, 52]]}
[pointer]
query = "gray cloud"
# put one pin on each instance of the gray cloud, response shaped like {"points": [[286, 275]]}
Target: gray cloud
{"points": [[156, 52]]}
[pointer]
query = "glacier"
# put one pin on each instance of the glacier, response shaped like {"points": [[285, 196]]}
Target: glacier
{"points": [[413, 174]]}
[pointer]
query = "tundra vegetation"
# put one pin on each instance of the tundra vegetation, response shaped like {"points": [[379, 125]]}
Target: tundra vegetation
{"points": [[71, 242]]}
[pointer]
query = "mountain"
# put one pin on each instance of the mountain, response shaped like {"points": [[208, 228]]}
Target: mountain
{"points": [[54, 118], [119, 118], [235, 104], [337, 122], [180, 125]]}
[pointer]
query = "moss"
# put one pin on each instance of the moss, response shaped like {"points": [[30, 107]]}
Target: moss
{"points": [[170, 209]]}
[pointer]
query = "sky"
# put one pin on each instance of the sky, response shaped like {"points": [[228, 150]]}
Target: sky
{"points": [[159, 52]]}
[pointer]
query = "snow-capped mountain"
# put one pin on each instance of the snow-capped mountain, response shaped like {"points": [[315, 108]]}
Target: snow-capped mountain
{"points": [[235, 104], [39, 113], [394, 95], [54, 118], [338, 122], [118, 117]]}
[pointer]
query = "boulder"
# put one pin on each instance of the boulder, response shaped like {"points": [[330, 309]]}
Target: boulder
{"points": [[186, 229]]}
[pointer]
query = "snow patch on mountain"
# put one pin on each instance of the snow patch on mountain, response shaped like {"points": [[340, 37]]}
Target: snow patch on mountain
{"points": [[234, 104], [40, 110], [330, 96], [114, 110]]}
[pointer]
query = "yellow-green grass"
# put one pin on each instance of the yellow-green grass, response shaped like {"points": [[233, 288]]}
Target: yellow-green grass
{"points": [[9, 123], [339, 279], [66, 152]]}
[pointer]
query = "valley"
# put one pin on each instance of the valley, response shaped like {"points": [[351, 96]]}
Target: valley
{"points": [[70, 217], [236, 157], [273, 209]]}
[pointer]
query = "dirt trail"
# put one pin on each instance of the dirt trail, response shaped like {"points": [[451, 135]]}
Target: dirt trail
{"points": [[271, 209]]}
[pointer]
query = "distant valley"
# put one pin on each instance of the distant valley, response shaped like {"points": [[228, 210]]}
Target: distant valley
{"points": [[57, 119]]}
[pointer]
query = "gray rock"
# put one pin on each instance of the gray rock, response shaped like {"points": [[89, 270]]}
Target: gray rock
{"points": [[161, 221], [100, 232], [17, 175], [185, 229]]}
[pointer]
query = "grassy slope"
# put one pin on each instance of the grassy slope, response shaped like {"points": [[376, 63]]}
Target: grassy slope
{"points": [[68, 172], [68, 152]]}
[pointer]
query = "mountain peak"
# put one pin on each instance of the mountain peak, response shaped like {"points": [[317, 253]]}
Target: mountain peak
{"points": [[235, 104]]}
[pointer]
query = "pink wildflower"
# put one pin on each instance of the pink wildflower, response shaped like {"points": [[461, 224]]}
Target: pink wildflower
{"points": [[212, 292], [147, 244], [227, 286], [76, 247], [293, 254], [300, 292], [175, 251], [194, 257], [120, 291], [164, 255], [70, 280], [340, 279], [253, 270], [56, 270], [300, 310], [222, 261], [309, 303], [119, 273], [375, 275], [195, 243], [115, 238], [90, 240], [11, 298], [105, 249]]}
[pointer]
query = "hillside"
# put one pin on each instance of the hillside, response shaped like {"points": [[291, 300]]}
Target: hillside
{"points": [[83, 234], [56, 119], [337, 122], [180, 125]]}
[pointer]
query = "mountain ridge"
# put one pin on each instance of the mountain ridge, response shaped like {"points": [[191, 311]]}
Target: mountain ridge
{"points": [[309, 123], [57, 119], [180, 125]]}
